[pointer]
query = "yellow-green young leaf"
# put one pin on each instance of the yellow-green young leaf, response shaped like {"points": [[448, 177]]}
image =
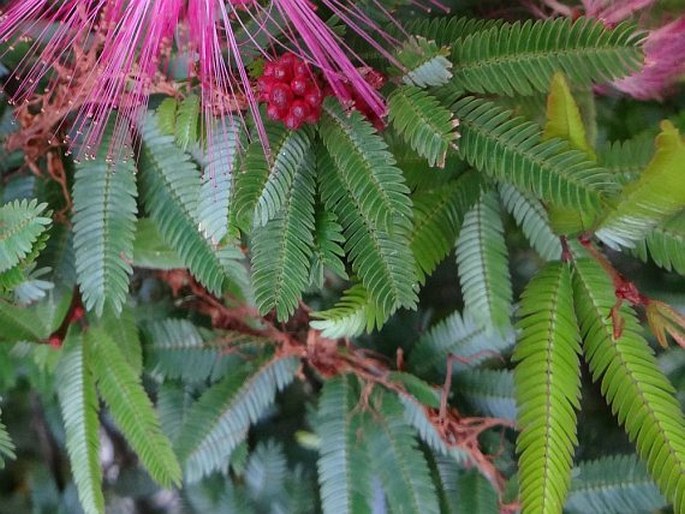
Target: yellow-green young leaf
{"points": [[187, 122], [166, 114], [547, 379], [563, 116], [79, 405], [656, 195], [121, 388], [565, 122], [635, 387]]}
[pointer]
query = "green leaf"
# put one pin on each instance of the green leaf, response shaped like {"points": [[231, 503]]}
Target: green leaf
{"points": [[7, 448], [547, 378], [327, 252], [220, 162], [461, 336], [123, 329], [355, 313], [424, 63], [122, 390], [483, 268], [381, 258], [105, 209], [512, 151], [665, 245], [424, 123], [563, 117], [449, 30], [639, 394], [79, 405], [491, 392], [281, 248], [613, 485], [520, 58], [531, 216], [219, 420], [186, 128], [344, 465], [365, 166], [292, 152], [657, 194], [21, 224], [262, 180], [627, 159], [19, 324], [149, 251], [438, 216], [166, 116], [170, 189], [397, 461]]}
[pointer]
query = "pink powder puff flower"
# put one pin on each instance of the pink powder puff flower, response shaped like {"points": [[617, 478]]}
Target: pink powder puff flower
{"points": [[664, 63], [135, 37]]}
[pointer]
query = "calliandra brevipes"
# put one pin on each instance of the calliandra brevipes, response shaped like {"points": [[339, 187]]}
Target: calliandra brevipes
{"points": [[132, 44]]}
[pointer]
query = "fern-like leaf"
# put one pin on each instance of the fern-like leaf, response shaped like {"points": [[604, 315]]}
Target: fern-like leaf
{"points": [[263, 180], [355, 313], [186, 128], [520, 58], [665, 245], [512, 150], [291, 150], [344, 467], [637, 390], [281, 248], [425, 124], [171, 187], [657, 194], [438, 217], [446, 30], [461, 336], [7, 447], [483, 268], [381, 258], [547, 378], [531, 216], [130, 407], [79, 405], [21, 224], [219, 420], [104, 229], [613, 485], [425, 63], [627, 159], [491, 392], [398, 462], [365, 166], [327, 252], [219, 165]]}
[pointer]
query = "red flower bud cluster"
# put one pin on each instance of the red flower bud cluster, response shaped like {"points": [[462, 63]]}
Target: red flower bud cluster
{"points": [[291, 91], [376, 80]]}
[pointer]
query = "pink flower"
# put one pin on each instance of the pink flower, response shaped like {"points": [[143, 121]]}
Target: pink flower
{"points": [[664, 63], [114, 53]]}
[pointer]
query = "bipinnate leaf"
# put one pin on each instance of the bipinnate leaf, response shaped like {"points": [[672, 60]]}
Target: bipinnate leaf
{"points": [[21, 223], [79, 405], [219, 420], [638, 392], [105, 209], [122, 390], [344, 466], [547, 377], [428, 126]]}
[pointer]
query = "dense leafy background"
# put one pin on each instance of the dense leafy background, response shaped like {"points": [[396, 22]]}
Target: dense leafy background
{"points": [[363, 321]]}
